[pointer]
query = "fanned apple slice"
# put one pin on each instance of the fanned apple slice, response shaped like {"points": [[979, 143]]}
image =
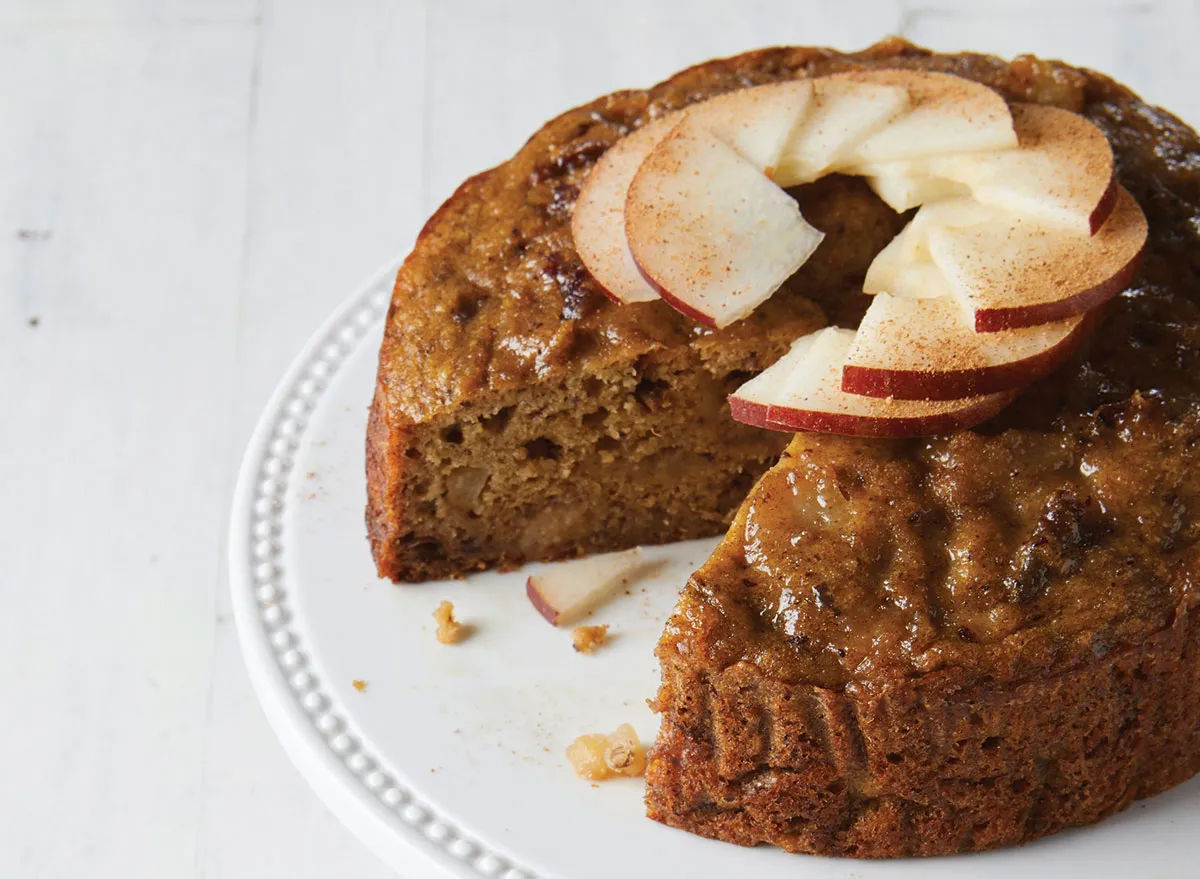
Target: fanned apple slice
{"points": [[598, 222], [946, 114], [806, 394], [757, 122], [803, 392], [927, 349], [903, 267], [710, 230], [749, 403], [843, 113], [904, 191], [1062, 173], [1013, 273]]}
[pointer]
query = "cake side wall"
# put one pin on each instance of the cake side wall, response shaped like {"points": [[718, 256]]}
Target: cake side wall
{"points": [[935, 765]]}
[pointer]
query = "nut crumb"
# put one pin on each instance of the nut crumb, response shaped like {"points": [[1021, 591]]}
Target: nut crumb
{"points": [[449, 630], [361, 686], [586, 639], [34, 321], [599, 757]]}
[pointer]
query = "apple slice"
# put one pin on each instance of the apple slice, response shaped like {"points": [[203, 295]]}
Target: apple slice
{"points": [[927, 348], [1061, 174], [1013, 272], [806, 394], [710, 230], [598, 222], [904, 189], [947, 114], [757, 122], [902, 268], [843, 113], [568, 591], [749, 403]]}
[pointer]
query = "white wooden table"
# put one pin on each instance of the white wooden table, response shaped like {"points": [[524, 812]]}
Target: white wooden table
{"points": [[186, 190]]}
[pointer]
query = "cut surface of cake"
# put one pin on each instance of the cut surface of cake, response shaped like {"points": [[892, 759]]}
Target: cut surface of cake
{"points": [[902, 646]]}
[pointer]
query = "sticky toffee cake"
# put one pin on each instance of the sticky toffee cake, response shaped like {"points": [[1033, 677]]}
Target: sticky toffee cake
{"points": [[906, 644]]}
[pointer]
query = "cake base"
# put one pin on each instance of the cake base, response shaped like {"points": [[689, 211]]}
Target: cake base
{"points": [[931, 766]]}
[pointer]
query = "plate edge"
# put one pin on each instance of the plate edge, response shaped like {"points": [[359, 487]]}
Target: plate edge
{"points": [[389, 818]]}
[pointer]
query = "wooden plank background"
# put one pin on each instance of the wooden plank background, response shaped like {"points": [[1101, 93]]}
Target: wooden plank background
{"points": [[186, 190]]}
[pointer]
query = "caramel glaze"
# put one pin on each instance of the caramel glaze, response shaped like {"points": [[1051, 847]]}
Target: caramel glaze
{"points": [[863, 560]]}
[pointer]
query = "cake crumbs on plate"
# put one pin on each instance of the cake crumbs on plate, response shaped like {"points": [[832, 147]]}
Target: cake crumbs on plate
{"points": [[587, 639], [449, 630], [361, 686], [599, 757]]}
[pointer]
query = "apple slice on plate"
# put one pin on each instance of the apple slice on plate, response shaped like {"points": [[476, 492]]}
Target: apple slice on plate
{"points": [[710, 230], [927, 348], [1012, 272], [566, 592], [804, 392], [598, 222], [946, 114]]}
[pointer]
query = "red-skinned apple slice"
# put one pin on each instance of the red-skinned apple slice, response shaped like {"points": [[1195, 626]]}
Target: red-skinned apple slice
{"points": [[946, 114], [750, 403], [598, 222], [710, 230], [805, 393], [927, 349], [1061, 175], [568, 591], [1014, 273]]}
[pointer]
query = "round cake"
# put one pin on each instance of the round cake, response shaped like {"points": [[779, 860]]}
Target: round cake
{"points": [[902, 647]]}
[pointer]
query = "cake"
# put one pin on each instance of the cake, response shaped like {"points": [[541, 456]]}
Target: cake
{"points": [[902, 646]]}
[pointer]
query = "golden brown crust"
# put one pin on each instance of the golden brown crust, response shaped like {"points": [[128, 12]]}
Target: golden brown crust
{"points": [[936, 765]]}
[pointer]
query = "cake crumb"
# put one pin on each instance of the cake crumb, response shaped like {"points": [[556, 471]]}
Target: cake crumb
{"points": [[599, 757], [361, 686], [586, 639], [449, 630]]}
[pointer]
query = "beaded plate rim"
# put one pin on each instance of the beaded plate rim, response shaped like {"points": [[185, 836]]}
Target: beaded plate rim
{"points": [[390, 817]]}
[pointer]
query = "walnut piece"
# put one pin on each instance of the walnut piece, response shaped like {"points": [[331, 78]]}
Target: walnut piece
{"points": [[599, 757], [449, 630], [587, 638]]}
